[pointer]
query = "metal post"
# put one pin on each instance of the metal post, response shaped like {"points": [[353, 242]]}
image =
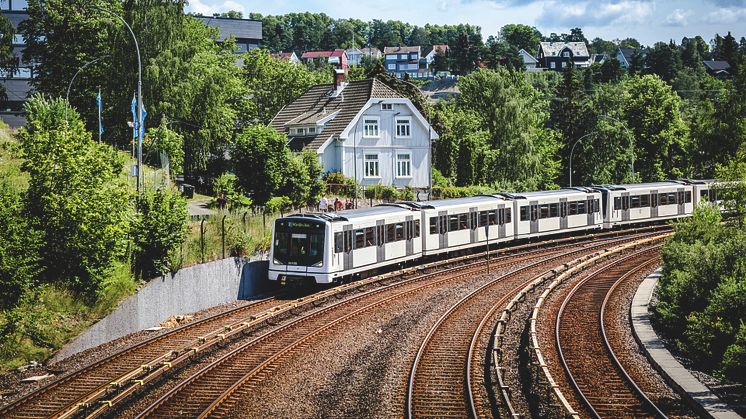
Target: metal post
{"points": [[631, 143], [244, 221], [70, 85], [223, 238], [573, 149], [202, 238]]}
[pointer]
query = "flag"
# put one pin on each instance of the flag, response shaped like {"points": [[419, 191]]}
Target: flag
{"points": [[134, 116], [100, 104], [142, 123]]}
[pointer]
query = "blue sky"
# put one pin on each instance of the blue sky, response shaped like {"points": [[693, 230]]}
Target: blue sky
{"points": [[647, 20]]}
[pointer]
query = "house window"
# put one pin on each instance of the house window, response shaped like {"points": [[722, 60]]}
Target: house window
{"points": [[387, 106], [566, 54], [403, 165], [370, 127], [18, 39], [403, 129], [392, 66], [312, 131], [300, 131], [371, 165]]}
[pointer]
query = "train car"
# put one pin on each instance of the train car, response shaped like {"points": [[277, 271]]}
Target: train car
{"points": [[329, 247], [703, 191], [645, 202], [555, 212], [462, 223]]}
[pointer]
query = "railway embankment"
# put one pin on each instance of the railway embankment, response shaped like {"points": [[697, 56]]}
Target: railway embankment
{"points": [[187, 291]]}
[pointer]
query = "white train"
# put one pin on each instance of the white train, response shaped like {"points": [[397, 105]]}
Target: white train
{"points": [[332, 247]]}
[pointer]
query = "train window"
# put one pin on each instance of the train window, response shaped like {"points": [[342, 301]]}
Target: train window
{"points": [[348, 241], [644, 201], [507, 215], [617, 203], [433, 225], [390, 233], [634, 202], [672, 198], [704, 195], [370, 236], [544, 211], [417, 228], [553, 210], [596, 205], [493, 217], [338, 243], [359, 239], [452, 222], [663, 199], [473, 220], [534, 212], [688, 197], [443, 224], [581, 207], [483, 218], [525, 213], [399, 229], [572, 208], [463, 219], [681, 197]]}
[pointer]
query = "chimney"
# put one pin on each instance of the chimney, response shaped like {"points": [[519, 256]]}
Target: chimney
{"points": [[339, 81]]}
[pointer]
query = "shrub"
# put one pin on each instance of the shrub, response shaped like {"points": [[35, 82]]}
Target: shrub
{"points": [[278, 204], [159, 230], [227, 184]]}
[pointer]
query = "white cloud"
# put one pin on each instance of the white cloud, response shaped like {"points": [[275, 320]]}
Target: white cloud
{"points": [[678, 17], [200, 7], [726, 15], [597, 14]]}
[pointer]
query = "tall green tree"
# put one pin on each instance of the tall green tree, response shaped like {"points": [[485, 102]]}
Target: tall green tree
{"points": [[663, 60], [521, 37], [7, 63], [158, 230], [569, 111]]}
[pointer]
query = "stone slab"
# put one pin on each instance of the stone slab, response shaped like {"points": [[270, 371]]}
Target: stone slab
{"points": [[697, 394]]}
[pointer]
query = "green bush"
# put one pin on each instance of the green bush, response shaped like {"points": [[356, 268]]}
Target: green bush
{"points": [[159, 229], [227, 184], [339, 185], [278, 204]]}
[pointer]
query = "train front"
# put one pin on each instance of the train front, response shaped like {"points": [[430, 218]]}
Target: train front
{"points": [[299, 246]]}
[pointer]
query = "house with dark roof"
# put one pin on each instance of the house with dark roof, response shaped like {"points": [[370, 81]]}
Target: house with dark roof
{"points": [[404, 60], [719, 69], [625, 56], [363, 129], [247, 32], [559, 55]]}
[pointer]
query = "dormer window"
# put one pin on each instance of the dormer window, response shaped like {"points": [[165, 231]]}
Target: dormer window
{"points": [[566, 53], [300, 131], [312, 131]]}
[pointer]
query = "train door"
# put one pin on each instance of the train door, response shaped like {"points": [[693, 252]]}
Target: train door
{"points": [[502, 220], [563, 213], [473, 225], [653, 204], [534, 207], [348, 242], [625, 206], [589, 209], [409, 234], [380, 248], [443, 229], [680, 199]]}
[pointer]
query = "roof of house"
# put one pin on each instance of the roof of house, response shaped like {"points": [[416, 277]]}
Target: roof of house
{"points": [[238, 28], [714, 65], [553, 49], [527, 57], [627, 53], [317, 54], [370, 51], [338, 53], [400, 50], [284, 55], [316, 104]]}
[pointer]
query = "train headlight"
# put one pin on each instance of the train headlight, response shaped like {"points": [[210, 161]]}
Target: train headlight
{"points": [[276, 262], [318, 264]]}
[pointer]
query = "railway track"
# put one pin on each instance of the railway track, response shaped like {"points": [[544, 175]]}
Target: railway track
{"points": [[590, 364], [68, 390]]}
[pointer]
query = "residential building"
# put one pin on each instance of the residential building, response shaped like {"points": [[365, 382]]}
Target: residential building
{"points": [[287, 56], [530, 63], [404, 60], [18, 84], [719, 69], [247, 32], [355, 55], [625, 55], [337, 58], [559, 55], [430, 57], [599, 58], [363, 129]]}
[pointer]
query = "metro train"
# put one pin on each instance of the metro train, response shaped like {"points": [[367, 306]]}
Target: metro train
{"points": [[335, 247]]}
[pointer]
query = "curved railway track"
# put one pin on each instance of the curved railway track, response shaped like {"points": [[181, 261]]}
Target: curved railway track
{"points": [[69, 389], [593, 370]]}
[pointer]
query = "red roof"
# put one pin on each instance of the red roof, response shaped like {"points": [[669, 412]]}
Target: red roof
{"points": [[337, 53], [319, 54], [443, 48]]}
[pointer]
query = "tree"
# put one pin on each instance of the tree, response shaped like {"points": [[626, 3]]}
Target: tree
{"points": [[726, 49], [314, 170], [157, 231], [76, 196], [521, 37], [576, 35], [663, 61], [569, 111], [261, 159], [464, 54], [165, 140], [499, 53], [600, 46], [653, 113], [7, 62], [441, 61]]}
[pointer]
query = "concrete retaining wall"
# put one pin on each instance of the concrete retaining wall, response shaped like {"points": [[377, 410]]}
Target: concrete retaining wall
{"points": [[189, 290]]}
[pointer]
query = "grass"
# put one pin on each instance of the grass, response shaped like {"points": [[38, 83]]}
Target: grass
{"points": [[10, 160]]}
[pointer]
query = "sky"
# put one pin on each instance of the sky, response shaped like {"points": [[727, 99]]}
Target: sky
{"points": [[648, 21]]}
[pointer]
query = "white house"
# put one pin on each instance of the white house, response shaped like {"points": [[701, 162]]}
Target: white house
{"points": [[530, 64], [363, 129]]}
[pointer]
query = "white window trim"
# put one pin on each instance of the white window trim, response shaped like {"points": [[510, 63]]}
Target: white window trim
{"points": [[397, 164], [396, 124], [378, 126], [388, 106], [365, 165]]}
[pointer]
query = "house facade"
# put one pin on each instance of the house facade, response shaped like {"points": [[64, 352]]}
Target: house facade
{"points": [[355, 55], [363, 129], [405, 60], [719, 69], [337, 58], [17, 84], [530, 63], [247, 32], [560, 55], [287, 56], [430, 57]]}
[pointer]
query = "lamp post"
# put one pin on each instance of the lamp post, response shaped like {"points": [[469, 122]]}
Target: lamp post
{"points": [[139, 93], [572, 149], [631, 143], [70, 85]]}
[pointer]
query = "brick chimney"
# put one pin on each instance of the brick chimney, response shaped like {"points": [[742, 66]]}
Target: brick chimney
{"points": [[339, 81]]}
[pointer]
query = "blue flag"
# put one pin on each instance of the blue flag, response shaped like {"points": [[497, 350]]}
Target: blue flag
{"points": [[142, 123], [100, 104], [134, 116]]}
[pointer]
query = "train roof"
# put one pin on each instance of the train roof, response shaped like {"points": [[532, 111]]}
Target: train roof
{"points": [[348, 215], [452, 202], [638, 186], [556, 192]]}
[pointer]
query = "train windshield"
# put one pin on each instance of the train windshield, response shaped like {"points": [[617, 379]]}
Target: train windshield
{"points": [[298, 243]]}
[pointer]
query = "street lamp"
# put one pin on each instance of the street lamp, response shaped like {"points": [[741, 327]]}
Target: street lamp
{"points": [[573, 149], [70, 85], [140, 127], [631, 142]]}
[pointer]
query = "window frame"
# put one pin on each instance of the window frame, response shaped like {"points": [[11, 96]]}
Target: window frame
{"points": [[377, 161], [387, 106], [408, 126], [409, 164], [368, 120]]}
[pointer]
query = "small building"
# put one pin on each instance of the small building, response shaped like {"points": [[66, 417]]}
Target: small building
{"points": [[337, 58], [626, 55], [599, 58], [719, 69], [530, 63], [559, 55], [287, 56], [404, 60], [17, 83], [363, 129], [247, 32], [430, 57], [355, 55]]}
